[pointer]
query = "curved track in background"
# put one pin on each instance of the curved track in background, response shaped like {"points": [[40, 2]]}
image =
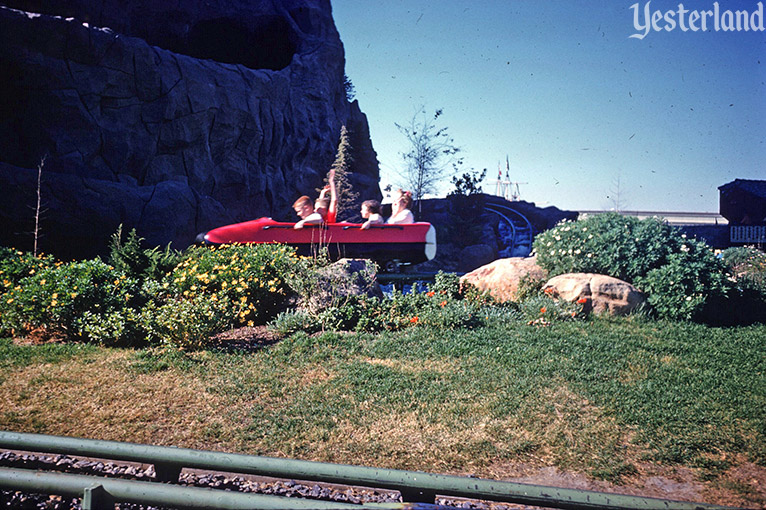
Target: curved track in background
{"points": [[514, 231]]}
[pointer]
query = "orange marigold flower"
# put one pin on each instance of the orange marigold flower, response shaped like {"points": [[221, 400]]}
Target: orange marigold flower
{"points": [[582, 301], [542, 310], [548, 290], [430, 294], [443, 304], [414, 320]]}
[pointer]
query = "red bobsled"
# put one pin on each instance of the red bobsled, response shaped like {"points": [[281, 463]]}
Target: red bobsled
{"points": [[387, 245]]}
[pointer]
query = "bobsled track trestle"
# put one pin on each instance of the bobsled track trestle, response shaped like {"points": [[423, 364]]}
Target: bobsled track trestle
{"points": [[417, 489]]}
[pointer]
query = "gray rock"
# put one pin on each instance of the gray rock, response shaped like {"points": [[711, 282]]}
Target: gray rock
{"points": [[341, 279]]}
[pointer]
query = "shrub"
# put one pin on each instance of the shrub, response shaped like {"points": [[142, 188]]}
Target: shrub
{"points": [[620, 246], [70, 300], [116, 327], [529, 287], [450, 315], [747, 299], [444, 305], [746, 262], [250, 280], [543, 310], [188, 324], [140, 263], [291, 321], [15, 265], [321, 285], [446, 284], [691, 279]]}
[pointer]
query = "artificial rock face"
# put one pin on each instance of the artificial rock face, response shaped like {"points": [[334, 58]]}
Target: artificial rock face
{"points": [[170, 117]]}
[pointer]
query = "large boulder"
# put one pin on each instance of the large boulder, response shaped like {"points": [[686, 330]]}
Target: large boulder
{"points": [[501, 278], [598, 293], [170, 117]]}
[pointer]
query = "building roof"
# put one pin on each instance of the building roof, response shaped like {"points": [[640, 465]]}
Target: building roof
{"points": [[752, 186]]}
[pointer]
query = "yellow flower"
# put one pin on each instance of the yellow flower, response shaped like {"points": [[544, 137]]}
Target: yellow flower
{"points": [[42, 282], [54, 295]]}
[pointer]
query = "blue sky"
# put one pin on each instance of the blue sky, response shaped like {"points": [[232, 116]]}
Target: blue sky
{"points": [[561, 89]]}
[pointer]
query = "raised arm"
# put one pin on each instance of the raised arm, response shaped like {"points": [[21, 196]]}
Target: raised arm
{"points": [[332, 210]]}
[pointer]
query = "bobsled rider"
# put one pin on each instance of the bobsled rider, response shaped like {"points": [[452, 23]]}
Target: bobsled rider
{"points": [[305, 209], [371, 212], [324, 209], [332, 208], [400, 208]]}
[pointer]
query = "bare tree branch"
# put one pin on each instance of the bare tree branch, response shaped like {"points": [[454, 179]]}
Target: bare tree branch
{"points": [[432, 156]]}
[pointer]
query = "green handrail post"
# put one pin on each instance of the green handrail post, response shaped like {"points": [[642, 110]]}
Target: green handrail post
{"points": [[101, 492], [166, 472], [97, 498], [418, 496]]}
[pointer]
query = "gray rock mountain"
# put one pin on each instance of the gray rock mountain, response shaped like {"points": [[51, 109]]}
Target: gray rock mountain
{"points": [[170, 117]]}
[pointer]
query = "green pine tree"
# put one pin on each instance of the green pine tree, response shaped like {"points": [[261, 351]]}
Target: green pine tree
{"points": [[348, 200]]}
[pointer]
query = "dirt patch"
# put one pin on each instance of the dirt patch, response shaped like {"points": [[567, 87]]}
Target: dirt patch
{"points": [[39, 336], [743, 486], [247, 339]]}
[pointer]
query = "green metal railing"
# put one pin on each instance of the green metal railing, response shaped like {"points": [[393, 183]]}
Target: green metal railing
{"points": [[100, 493], [415, 487]]}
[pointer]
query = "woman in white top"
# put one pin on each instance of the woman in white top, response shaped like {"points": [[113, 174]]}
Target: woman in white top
{"points": [[400, 208], [371, 213]]}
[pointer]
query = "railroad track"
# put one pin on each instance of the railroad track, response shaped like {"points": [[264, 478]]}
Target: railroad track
{"points": [[90, 474], [231, 482]]}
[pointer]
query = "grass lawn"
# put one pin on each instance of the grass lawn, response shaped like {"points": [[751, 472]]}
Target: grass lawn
{"points": [[613, 399]]}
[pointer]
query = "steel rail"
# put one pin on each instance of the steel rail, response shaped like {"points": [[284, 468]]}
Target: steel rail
{"points": [[526, 221], [101, 493]]}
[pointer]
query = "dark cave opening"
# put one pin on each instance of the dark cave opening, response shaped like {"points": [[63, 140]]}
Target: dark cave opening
{"points": [[263, 45], [265, 41]]}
